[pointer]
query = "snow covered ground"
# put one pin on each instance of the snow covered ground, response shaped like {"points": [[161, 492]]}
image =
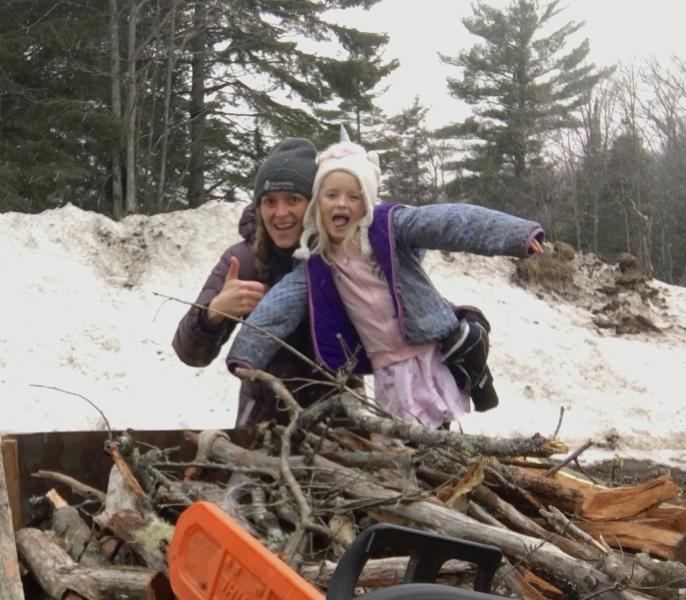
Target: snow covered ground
{"points": [[85, 316]]}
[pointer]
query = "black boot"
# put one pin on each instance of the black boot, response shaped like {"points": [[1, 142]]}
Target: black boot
{"points": [[483, 393], [465, 353]]}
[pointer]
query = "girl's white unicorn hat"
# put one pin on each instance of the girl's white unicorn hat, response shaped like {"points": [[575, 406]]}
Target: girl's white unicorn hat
{"points": [[354, 159]]}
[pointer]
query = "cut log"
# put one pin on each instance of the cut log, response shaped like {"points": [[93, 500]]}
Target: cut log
{"points": [[382, 572], [628, 501], [596, 502], [667, 573], [10, 578], [148, 537], [511, 575], [638, 535], [58, 574], [508, 514], [146, 534], [119, 497], [547, 490], [542, 586], [667, 516], [79, 539]]}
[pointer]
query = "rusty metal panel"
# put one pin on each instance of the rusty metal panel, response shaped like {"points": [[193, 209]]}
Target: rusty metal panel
{"points": [[80, 454]]}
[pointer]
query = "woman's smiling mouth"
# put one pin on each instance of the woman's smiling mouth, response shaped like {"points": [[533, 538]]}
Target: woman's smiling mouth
{"points": [[285, 226]]}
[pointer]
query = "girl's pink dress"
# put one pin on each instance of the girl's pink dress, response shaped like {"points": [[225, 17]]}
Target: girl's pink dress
{"points": [[410, 382]]}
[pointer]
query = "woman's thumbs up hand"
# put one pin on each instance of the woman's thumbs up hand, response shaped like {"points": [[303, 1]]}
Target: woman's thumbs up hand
{"points": [[237, 298]]}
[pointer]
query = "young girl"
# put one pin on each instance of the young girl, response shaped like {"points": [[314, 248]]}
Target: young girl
{"points": [[372, 307]]}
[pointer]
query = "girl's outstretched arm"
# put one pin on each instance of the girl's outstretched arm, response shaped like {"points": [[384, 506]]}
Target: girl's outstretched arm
{"points": [[279, 313], [463, 227]]}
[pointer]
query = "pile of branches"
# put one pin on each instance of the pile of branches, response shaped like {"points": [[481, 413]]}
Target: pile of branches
{"points": [[305, 490]]}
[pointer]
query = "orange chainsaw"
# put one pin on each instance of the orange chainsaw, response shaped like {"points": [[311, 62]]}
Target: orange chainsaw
{"points": [[212, 557]]}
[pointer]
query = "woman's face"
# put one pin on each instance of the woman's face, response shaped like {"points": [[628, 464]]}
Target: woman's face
{"points": [[282, 216], [341, 204]]}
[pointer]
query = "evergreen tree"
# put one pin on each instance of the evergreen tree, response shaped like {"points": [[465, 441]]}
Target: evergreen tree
{"points": [[200, 100], [54, 123], [522, 83], [410, 158], [355, 80]]}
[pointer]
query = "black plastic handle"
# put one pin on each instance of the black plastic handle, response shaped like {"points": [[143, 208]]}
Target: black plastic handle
{"points": [[426, 591], [427, 551]]}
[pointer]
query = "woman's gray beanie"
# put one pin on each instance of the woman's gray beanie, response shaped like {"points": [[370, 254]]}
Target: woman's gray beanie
{"points": [[289, 167]]}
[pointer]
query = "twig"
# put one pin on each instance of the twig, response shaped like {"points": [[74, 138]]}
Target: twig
{"points": [[263, 517], [209, 466], [294, 555], [74, 485], [336, 380], [129, 479], [102, 414], [559, 422], [536, 445], [617, 587], [572, 457], [583, 472], [561, 523]]}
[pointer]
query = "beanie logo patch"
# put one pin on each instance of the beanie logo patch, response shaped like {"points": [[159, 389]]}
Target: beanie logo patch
{"points": [[278, 186]]}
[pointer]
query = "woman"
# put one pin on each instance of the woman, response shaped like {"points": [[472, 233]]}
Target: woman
{"points": [[271, 231]]}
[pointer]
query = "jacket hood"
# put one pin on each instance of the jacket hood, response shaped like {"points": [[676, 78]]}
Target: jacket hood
{"points": [[247, 225]]}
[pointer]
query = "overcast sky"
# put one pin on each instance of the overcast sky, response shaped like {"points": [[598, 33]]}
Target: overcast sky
{"points": [[618, 30]]}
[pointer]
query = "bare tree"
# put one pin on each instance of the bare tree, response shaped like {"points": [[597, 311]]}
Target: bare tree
{"points": [[597, 133], [115, 77], [171, 61], [196, 185], [131, 108], [632, 182], [665, 112]]}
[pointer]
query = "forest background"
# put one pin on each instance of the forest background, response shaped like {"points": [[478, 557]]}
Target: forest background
{"points": [[148, 106]]}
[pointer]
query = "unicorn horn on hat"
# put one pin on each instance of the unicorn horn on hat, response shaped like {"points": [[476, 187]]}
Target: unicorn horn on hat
{"points": [[344, 134]]}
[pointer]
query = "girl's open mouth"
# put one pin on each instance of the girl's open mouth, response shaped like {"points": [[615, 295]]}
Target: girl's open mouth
{"points": [[340, 220]]}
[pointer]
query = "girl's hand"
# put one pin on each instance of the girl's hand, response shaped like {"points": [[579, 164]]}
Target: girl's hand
{"points": [[535, 247]]}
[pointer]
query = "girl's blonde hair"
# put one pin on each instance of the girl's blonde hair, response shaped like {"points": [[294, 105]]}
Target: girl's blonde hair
{"points": [[322, 244]]}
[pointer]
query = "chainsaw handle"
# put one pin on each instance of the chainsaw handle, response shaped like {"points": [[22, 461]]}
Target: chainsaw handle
{"points": [[426, 591], [427, 551]]}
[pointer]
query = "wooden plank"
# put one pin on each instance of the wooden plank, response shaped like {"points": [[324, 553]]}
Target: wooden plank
{"points": [[10, 578], [10, 458]]}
